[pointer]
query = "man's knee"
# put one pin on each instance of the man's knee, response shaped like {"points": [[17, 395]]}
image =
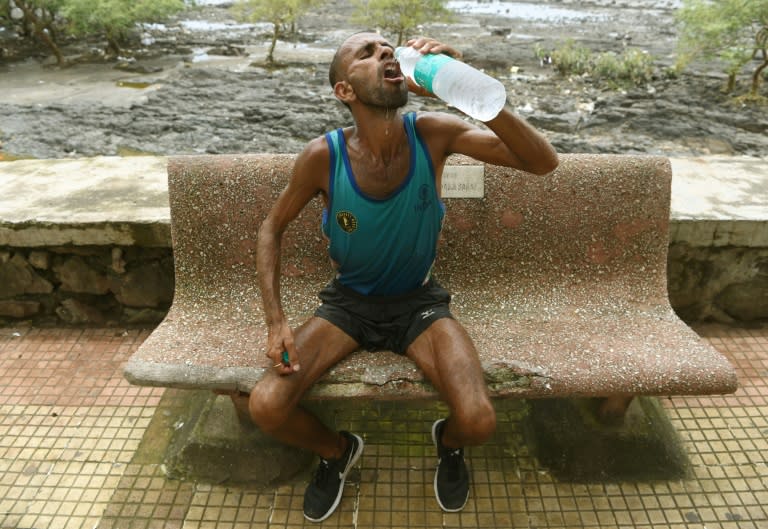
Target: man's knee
{"points": [[477, 424], [267, 411]]}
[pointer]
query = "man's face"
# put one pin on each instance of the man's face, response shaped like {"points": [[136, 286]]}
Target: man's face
{"points": [[373, 72]]}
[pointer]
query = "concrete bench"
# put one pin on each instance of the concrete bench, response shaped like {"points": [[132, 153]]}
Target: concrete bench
{"points": [[560, 280]]}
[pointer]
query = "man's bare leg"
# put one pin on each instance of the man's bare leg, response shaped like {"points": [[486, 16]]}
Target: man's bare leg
{"points": [[449, 359], [274, 402], [274, 407]]}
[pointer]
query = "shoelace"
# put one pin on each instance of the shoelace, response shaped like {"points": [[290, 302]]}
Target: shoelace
{"points": [[453, 460], [323, 472]]}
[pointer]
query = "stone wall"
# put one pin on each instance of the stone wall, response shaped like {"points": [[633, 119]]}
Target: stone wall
{"points": [[92, 285], [133, 285], [721, 283]]}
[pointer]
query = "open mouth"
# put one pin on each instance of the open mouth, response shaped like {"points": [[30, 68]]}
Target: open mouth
{"points": [[392, 73]]}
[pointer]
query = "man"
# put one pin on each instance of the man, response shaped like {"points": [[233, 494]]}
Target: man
{"points": [[380, 181]]}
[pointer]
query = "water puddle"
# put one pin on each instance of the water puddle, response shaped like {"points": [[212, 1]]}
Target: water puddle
{"points": [[126, 152], [200, 55], [523, 10], [230, 28], [205, 25], [133, 84], [8, 157]]}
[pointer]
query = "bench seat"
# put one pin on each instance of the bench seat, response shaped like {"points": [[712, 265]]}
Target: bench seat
{"points": [[560, 281]]}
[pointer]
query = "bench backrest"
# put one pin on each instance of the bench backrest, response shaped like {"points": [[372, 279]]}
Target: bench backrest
{"points": [[597, 218], [560, 280]]}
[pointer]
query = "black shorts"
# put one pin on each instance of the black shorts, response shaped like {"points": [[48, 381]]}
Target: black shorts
{"points": [[384, 322]]}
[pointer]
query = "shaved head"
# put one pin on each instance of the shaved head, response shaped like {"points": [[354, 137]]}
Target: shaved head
{"points": [[336, 71]]}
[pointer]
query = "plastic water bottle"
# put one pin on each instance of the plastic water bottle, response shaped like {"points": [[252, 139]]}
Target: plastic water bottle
{"points": [[457, 83]]}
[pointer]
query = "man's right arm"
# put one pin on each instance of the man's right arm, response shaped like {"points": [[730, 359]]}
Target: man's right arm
{"points": [[309, 177]]}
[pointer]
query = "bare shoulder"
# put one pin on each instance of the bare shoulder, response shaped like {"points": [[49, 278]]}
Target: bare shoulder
{"points": [[312, 165], [441, 123], [443, 133], [309, 178], [316, 151], [441, 129]]}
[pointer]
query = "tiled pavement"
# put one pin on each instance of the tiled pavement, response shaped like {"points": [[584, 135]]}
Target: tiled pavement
{"points": [[74, 454]]}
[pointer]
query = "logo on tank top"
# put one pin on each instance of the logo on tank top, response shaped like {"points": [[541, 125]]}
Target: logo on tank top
{"points": [[424, 199], [346, 221]]}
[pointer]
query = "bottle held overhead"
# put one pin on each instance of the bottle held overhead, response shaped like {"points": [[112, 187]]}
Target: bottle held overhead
{"points": [[476, 94]]}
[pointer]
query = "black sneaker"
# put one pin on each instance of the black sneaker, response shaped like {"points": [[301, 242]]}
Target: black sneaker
{"points": [[451, 476], [323, 493]]}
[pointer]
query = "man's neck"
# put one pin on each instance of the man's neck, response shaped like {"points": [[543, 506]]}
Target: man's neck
{"points": [[379, 132]]}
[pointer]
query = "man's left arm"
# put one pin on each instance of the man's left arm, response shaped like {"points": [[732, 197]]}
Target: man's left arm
{"points": [[521, 146], [510, 142]]}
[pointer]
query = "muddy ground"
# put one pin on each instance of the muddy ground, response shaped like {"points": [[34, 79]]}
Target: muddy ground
{"points": [[199, 85]]}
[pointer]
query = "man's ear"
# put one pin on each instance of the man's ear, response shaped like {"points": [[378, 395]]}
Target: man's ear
{"points": [[344, 92]]}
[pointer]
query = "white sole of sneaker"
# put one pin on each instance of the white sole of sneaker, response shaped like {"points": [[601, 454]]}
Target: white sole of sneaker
{"points": [[352, 460], [434, 482]]}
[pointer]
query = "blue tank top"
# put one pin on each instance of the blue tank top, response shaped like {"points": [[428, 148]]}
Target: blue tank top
{"points": [[383, 246]]}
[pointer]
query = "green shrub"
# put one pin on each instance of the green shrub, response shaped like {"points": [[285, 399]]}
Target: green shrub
{"points": [[115, 18], [279, 13], [632, 67], [399, 16], [735, 32], [571, 59]]}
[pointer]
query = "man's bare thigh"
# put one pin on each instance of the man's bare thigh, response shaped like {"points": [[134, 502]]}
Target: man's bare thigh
{"points": [[449, 359], [319, 345]]}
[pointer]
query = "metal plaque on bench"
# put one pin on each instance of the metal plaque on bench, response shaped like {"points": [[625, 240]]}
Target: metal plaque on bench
{"points": [[463, 181]]}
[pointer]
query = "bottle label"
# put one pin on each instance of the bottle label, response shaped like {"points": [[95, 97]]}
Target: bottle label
{"points": [[427, 67]]}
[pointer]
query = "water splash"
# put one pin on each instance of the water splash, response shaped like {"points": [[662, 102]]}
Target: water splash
{"points": [[523, 10]]}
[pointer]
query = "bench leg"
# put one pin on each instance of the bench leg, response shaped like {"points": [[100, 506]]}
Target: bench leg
{"points": [[240, 402], [566, 436], [613, 409], [219, 443]]}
